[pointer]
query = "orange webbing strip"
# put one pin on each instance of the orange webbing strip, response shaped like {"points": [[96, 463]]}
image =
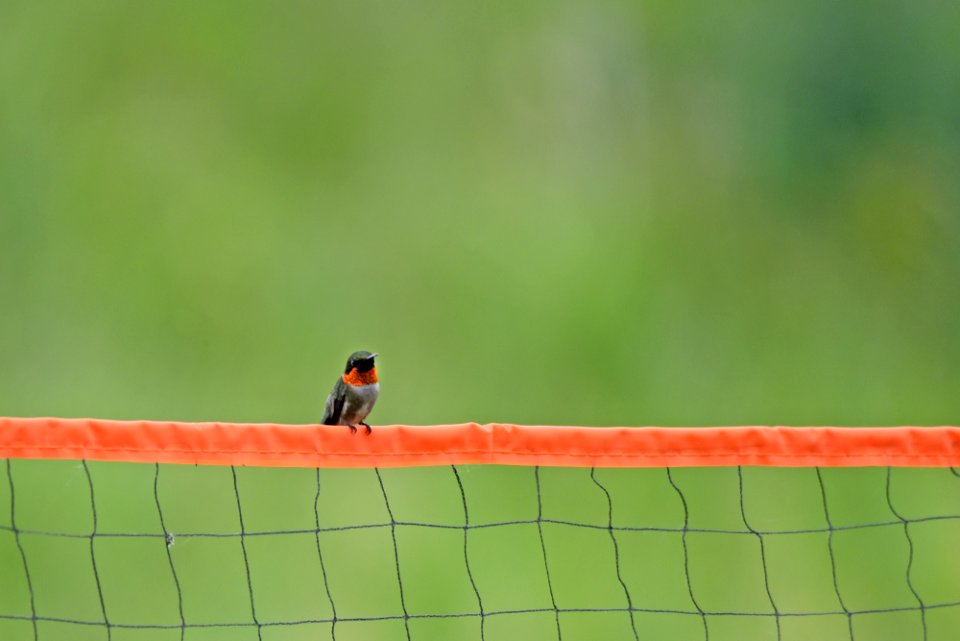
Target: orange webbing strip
{"points": [[399, 445]]}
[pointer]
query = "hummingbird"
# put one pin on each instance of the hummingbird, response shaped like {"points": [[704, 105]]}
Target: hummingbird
{"points": [[353, 394]]}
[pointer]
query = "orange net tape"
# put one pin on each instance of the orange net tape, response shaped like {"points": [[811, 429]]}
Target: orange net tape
{"points": [[278, 445]]}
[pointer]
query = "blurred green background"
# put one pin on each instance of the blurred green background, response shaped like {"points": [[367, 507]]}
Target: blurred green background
{"points": [[579, 213], [608, 213]]}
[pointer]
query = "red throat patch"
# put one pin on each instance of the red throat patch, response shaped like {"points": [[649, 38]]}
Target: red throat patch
{"points": [[360, 378]]}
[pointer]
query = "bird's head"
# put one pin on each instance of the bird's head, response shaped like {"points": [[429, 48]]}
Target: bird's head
{"points": [[360, 361]]}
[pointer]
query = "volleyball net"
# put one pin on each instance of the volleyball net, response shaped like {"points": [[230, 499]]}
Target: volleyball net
{"points": [[156, 530]]}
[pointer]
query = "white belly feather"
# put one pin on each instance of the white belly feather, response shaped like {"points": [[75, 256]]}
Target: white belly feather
{"points": [[358, 402]]}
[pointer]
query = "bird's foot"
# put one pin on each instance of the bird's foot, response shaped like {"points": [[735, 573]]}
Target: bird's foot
{"points": [[353, 429], [369, 429]]}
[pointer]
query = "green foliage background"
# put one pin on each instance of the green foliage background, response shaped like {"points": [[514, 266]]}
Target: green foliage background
{"points": [[611, 213], [635, 213]]}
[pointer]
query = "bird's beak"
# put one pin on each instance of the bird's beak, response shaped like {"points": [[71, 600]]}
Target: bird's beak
{"points": [[373, 356]]}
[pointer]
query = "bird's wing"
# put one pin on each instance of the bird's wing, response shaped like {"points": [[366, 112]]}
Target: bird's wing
{"points": [[334, 404]]}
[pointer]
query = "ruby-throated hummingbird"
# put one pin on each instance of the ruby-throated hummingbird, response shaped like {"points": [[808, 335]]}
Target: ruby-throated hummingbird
{"points": [[353, 394]]}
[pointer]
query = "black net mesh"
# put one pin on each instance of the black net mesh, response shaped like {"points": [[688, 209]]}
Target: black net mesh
{"points": [[130, 551]]}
